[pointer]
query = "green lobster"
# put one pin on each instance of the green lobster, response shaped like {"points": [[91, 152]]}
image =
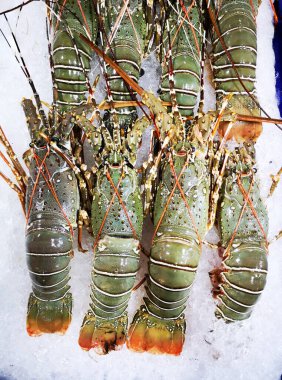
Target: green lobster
{"points": [[242, 217], [181, 204], [52, 203], [50, 197], [117, 219], [243, 225], [117, 212]]}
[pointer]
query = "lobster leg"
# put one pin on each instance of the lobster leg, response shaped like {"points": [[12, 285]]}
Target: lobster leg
{"points": [[275, 181]]}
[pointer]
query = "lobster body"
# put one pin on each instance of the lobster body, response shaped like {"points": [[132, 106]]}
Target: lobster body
{"points": [[180, 220], [117, 212], [182, 198], [71, 56], [49, 242], [176, 248], [117, 218], [117, 255], [242, 276], [52, 198]]}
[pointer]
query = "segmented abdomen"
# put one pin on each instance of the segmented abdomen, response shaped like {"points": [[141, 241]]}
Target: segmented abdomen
{"points": [[117, 254], [72, 56], [237, 26], [125, 29], [181, 75], [115, 267], [241, 279], [177, 246], [48, 236]]}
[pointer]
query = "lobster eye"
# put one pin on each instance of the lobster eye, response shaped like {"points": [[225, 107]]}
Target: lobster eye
{"points": [[255, 170], [193, 149]]}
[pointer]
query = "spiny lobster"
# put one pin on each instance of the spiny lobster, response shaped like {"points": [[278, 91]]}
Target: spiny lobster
{"points": [[117, 212], [160, 326], [51, 197], [242, 216]]}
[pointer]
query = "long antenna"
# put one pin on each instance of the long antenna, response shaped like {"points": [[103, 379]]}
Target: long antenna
{"points": [[25, 70], [17, 7]]}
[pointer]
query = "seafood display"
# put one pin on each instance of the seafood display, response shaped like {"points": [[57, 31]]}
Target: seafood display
{"points": [[199, 171]]}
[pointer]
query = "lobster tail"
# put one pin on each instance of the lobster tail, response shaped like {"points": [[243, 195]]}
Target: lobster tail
{"points": [[47, 317], [159, 326], [156, 335], [103, 335], [172, 269], [181, 71], [240, 281], [114, 270], [50, 304], [123, 41], [115, 266]]}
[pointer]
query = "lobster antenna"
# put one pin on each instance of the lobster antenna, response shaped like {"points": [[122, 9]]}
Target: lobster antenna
{"points": [[17, 7], [27, 74], [18, 18], [51, 63], [216, 28], [175, 109], [203, 58]]}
